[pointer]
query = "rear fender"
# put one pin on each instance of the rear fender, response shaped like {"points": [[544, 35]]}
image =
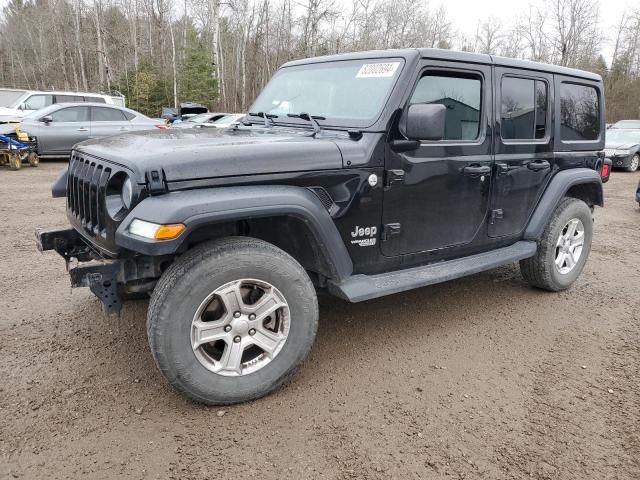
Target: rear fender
{"points": [[582, 183]]}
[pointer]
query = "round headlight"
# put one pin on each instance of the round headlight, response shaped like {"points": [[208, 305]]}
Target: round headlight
{"points": [[127, 193]]}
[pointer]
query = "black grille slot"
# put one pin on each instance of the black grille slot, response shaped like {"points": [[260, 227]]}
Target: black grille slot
{"points": [[86, 190], [325, 199]]}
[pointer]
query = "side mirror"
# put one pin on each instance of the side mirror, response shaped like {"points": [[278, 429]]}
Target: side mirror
{"points": [[22, 106], [47, 119], [426, 121]]}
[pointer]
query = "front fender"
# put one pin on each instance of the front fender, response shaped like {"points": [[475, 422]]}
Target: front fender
{"points": [[558, 188], [195, 208]]}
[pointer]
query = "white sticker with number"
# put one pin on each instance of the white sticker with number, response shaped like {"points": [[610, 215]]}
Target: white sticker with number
{"points": [[377, 70]]}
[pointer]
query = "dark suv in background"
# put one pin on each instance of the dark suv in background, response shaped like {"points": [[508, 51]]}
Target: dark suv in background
{"points": [[362, 175]]}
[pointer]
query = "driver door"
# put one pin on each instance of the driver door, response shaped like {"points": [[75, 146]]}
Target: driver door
{"points": [[437, 195]]}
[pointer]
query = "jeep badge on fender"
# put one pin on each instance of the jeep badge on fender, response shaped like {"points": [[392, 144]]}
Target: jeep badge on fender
{"points": [[440, 163]]}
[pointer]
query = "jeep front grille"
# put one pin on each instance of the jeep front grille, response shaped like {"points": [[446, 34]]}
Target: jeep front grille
{"points": [[86, 186]]}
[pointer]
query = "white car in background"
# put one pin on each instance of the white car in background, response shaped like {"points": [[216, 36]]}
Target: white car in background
{"points": [[16, 104], [209, 119]]}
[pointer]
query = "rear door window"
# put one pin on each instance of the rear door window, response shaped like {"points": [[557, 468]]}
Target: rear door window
{"points": [[71, 114], [523, 110], [100, 114], [579, 112], [68, 99]]}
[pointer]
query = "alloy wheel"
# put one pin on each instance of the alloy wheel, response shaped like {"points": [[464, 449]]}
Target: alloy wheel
{"points": [[240, 327], [569, 246]]}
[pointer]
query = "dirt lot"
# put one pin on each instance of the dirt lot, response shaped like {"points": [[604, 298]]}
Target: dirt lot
{"points": [[477, 378]]}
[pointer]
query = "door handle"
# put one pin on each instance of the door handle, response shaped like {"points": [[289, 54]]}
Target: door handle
{"points": [[83, 129], [538, 165], [475, 170]]}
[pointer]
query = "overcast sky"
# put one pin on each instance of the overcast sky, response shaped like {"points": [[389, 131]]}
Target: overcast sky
{"points": [[465, 14]]}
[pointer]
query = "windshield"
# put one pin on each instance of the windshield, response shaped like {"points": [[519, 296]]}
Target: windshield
{"points": [[200, 118], [8, 98], [623, 136], [343, 92]]}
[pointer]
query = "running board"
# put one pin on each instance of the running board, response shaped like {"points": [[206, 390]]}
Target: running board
{"points": [[358, 288]]}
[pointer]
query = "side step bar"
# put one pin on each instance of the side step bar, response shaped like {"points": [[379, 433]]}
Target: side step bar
{"points": [[358, 288]]}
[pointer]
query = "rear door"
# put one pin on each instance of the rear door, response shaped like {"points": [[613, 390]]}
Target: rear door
{"points": [[524, 157], [68, 126], [108, 121]]}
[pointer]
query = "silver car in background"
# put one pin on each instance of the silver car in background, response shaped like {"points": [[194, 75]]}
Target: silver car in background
{"points": [[58, 128]]}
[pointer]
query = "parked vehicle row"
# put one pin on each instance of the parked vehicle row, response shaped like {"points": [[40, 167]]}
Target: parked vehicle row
{"points": [[210, 119], [57, 128]]}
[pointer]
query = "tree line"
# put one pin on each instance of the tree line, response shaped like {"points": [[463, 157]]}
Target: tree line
{"points": [[222, 52]]}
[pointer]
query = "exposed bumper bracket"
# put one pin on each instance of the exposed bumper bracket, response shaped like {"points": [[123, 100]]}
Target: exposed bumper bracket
{"points": [[101, 276]]}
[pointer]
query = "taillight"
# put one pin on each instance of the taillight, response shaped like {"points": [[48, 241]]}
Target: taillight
{"points": [[161, 126], [605, 170]]}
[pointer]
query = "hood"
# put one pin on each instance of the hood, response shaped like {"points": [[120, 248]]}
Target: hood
{"points": [[8, 114], [620, 145], [198, 153]]}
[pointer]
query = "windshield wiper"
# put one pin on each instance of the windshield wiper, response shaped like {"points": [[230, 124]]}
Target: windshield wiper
{"points": [[267, 117], [310, 118]]}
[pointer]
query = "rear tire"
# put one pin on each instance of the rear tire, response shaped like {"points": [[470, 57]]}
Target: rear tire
{"points": [[205, 294], [33, 159], [563, 248]]}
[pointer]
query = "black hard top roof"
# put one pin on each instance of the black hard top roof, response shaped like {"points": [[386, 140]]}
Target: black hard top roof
{"points": [[451, 55]]}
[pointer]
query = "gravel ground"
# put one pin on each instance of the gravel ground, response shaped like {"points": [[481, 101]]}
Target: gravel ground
{"points": [[477, 378]]}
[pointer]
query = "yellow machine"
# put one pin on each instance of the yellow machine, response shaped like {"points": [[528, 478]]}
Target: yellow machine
{"points": [[14, 151]]}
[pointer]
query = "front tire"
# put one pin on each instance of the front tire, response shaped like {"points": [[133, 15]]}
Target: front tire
{"points": [[635, 163], [563, 248], [231, 319]]}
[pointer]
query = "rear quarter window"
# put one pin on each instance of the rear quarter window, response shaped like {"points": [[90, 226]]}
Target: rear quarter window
{"points": [[579, 112]]}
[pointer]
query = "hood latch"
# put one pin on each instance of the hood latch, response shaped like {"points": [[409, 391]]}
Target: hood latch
{"points": [[156, 183]]}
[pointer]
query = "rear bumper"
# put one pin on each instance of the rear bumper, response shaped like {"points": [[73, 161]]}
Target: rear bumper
{"points": [[85, 267]]}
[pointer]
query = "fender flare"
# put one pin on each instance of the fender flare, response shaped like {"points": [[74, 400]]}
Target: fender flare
{"points": [[557, 189], [195, 208]]}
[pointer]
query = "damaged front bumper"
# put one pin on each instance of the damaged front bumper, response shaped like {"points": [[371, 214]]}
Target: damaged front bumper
{"points": [[85, 267]]}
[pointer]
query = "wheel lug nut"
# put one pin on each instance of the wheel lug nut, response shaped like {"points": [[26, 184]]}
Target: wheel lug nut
{"points": [[227, 328], [252, 331], [252, 316], [236, 315], [237, 339]]}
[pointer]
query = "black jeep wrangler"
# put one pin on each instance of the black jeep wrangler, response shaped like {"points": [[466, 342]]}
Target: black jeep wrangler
{"points": [[361, 175]]}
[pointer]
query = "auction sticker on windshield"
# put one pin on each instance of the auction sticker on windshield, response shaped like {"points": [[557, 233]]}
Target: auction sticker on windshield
{"points": [[373, 70]]}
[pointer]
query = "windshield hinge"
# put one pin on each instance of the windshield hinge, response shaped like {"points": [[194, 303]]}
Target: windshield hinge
{"points": [[393, 177], [156, 182]]}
